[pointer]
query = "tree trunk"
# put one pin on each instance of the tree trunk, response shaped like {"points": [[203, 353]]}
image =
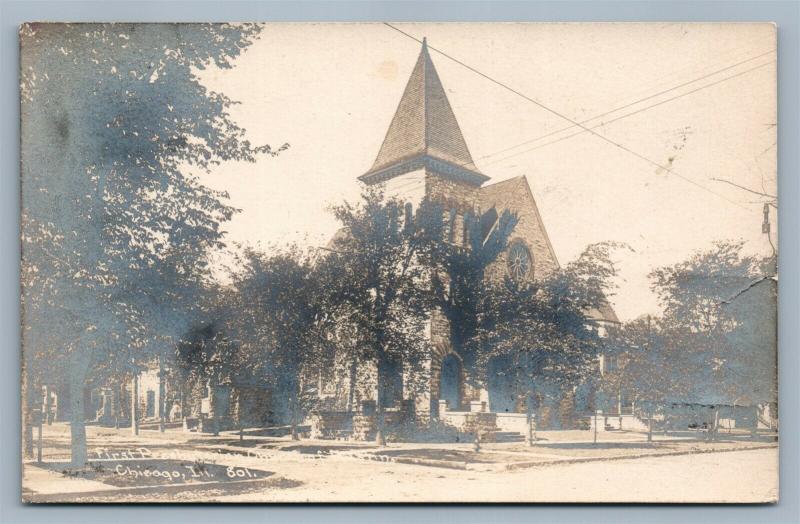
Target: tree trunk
{"points": [[293, 414], [27, 410], [351, 395], [134, 402], [531, 438], [48, 406], [116, 403], [212, 407], [650, 427], [239, 419], [161, 392], [77, 422], [380, 436], [39, 441], [182, 399]]}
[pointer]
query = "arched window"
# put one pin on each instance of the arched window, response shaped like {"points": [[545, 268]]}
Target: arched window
{"points": [[520, 261]]}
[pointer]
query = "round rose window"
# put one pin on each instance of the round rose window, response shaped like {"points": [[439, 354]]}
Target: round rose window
{"points": [[520, 261]]}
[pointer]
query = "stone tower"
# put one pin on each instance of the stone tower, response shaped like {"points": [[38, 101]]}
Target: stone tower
{"points": [[424, 152], [424, 155]]}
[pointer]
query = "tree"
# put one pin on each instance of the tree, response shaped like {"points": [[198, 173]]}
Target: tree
{"points": [[649, 367], [751, 372], [281, 322], [719, 310], [115, 123], [381, 288], [542, 328], [213, 355]]}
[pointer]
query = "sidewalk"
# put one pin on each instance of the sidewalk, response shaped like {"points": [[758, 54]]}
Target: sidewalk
{"points": [[552, 448], [267, 468]]}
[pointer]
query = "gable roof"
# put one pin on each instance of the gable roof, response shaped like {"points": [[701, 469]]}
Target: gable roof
{"points": [[424, 129], [500, 195], [605, 313]]}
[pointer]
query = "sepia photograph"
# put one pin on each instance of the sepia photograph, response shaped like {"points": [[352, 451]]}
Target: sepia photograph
{"points": [[399, 262]]}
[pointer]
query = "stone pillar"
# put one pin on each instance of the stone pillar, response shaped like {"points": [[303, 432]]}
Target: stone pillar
{"points": [[363, 427], [483, 395], [477, 406]]}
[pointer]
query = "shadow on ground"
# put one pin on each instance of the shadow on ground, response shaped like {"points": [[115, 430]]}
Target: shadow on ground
{"points": [[599, 445], [446, 455]]}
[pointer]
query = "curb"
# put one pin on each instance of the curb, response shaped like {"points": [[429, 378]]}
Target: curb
{"points": [[489, 467], [533, 464]]}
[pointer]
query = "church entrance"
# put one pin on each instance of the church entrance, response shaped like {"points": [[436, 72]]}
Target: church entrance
{"points": [[502, 395], [450, 382]]}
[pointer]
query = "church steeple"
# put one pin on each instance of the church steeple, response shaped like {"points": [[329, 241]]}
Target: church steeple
{"points": [[424, 132]]}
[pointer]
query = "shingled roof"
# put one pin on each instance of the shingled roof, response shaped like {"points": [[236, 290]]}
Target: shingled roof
{"points": [[424, 132], [502, 195]]}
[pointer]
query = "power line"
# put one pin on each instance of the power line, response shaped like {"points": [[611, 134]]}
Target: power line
{"points": [[626, 115], [745, 188], [665, 91], [560, 115]]}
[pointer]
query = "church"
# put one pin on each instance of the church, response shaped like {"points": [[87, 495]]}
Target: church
{"points": [[425, 155]]}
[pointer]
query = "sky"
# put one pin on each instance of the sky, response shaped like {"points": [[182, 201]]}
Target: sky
{"points": [[330, 91]]}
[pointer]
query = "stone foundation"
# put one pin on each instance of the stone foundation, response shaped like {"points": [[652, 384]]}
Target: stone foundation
{"points": [[333, 424], [482, 424], [363, 427], [472, 422]]}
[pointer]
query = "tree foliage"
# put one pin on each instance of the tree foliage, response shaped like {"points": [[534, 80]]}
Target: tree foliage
{"points": [[281, 322], [719, 324], [543, 329], [380, 291], [116, 225]]}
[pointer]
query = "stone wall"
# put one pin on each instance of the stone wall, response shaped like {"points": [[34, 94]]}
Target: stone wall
{"points": [[252, 406], [472, 423], [513, 422], [331, 424], [364, 425], [454, 194]]}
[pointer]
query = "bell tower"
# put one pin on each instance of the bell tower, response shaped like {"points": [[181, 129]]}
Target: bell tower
{"points": [[424, 152]]}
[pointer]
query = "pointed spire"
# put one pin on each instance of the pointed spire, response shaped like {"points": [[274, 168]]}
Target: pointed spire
{"points": [[424, 129]]}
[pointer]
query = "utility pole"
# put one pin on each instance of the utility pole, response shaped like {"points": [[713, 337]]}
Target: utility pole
{"points": [[650, 410], [772, 201], [161, 394], [39, 423], [766, 228], [134, 401]]}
